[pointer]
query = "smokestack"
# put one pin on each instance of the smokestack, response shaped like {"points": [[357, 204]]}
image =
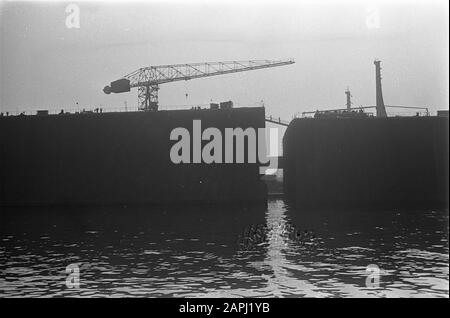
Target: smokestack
{"points": [[349, 101], [381, 110]]}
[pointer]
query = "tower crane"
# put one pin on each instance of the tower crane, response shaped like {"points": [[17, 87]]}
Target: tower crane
{"points": [[148, 79]]}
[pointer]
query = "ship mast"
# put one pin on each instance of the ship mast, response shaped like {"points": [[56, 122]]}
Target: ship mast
{"points": [[349, 101], [381, 109]]}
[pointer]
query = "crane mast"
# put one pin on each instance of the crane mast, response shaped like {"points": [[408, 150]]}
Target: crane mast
{"points": [[148, 79]]}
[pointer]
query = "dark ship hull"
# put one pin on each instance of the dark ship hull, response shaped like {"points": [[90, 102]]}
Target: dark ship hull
{"points": [[399, 162], [119, 159]]}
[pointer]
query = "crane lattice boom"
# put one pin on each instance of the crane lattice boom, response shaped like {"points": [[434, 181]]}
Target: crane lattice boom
{"points": [[148, 79]]}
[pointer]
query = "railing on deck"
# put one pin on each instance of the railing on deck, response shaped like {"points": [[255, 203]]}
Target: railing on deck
{"points": [[102, 109], [392, 111], [277, 120]]}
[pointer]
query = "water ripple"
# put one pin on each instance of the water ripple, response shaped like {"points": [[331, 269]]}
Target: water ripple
{"points": [[224, 252]]}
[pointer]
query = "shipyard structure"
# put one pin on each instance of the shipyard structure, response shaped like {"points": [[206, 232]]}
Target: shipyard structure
{"points": [[97, 158], [350, 159], [338, 159]]}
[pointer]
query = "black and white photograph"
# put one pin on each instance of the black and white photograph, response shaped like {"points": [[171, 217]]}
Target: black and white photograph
{"points": [[240, 151]]}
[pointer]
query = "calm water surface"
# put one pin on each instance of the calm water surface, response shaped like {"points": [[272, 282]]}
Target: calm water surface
{"points": [[223, 252]]}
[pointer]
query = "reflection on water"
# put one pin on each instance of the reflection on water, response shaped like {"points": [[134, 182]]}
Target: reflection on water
{"points": [[197, 252]]}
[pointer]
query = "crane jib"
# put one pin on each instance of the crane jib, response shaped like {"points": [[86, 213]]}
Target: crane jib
{"points": [[147, 79]]}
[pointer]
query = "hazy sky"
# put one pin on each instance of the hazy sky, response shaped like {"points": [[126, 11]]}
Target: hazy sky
{"points": [[45, 65]]}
